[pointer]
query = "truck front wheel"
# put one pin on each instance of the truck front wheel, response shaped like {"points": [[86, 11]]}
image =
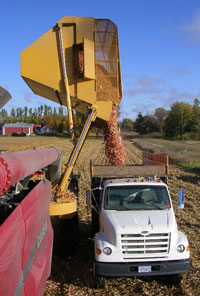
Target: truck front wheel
{"points": [[174, 279], [170, 279], [100, 282]]}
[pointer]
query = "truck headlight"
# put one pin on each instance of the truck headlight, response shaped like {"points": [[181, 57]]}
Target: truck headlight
{"points": [[107, 251], [181, 248]]}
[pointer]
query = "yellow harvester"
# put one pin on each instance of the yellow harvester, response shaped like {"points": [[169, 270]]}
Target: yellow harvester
{"points": [[76, 64]]}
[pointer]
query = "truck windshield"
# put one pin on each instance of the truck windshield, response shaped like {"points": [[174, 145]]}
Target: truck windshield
{"points": [[123, 198]]}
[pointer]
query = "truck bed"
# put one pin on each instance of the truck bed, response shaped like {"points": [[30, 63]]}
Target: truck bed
{"points": [[131, 171]]}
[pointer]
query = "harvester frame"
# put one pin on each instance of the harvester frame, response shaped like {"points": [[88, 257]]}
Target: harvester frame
{"points": [[80, 70]]}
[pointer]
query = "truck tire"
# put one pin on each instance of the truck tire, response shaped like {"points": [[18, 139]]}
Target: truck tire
{"points": [[170, 279], [100, 282], [174, 279]]}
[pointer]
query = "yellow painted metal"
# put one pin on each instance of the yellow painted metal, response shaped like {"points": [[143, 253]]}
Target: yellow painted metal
{"points": [[63, 186], [89, 62], [49, 66], [41, 65], [62, 208], [68, 100]]}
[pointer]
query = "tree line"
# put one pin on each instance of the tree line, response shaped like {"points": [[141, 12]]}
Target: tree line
{"points": [[55, 118], [182, 119]]}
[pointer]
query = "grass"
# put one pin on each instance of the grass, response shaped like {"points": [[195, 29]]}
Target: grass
{"points": [[185, 153], [171, 146], [191, 165]]}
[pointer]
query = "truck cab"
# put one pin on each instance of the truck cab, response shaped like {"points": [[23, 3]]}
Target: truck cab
{"points": [[137, 233]]}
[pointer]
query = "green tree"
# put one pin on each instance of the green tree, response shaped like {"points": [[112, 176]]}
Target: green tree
{"points": [[41, 109], [25, 112], [19, 114], [150, 124], [35, 112], [195, 122], [45, 110], [3, 113], [146, 124], [178, 120], [30, 111], [160, 115], [12, 113], [127, 124], [49, 110], [139, 124], [60, 110]]}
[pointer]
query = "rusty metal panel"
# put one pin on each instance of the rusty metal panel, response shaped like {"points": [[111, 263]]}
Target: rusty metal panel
{"points": [[156, 158]]}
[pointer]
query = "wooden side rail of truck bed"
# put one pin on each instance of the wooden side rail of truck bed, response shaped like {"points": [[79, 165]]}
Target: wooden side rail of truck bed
{"points": [[153, 165]]}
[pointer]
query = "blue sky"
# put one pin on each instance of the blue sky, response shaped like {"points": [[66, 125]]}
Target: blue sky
{"points": [[159, 47]]}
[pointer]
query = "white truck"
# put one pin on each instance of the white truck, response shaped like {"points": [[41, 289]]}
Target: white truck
{"points": [[134, 225]]}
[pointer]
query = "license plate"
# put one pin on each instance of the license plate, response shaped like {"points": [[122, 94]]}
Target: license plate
{"points": [[144, 269]]}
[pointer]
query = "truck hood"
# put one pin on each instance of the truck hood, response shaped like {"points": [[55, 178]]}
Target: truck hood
{"points": [[138, 221]]}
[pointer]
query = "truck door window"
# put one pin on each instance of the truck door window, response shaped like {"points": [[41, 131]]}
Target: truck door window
{"points": [[142, 197]]}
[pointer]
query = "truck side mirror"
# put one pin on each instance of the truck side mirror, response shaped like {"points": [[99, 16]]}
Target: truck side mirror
{"points": [[181, 199], [88, 198]]}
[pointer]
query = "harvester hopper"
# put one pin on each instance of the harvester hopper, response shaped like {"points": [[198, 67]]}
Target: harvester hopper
{"points": [[76, 64]]}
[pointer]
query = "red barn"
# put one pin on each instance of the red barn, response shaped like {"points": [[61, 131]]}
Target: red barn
{"points": [[18, 128]]}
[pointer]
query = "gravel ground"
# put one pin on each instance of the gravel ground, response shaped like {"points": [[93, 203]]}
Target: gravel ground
{"points": [[74, 276]]}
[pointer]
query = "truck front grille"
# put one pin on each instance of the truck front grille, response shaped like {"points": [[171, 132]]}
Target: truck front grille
{"points": [[138, 245]]}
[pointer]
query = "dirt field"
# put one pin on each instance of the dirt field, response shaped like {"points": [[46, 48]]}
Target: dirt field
{"points": [[74, 276]]}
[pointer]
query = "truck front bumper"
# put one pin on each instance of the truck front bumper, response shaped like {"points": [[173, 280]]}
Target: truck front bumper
{"points": [[132, 269]]}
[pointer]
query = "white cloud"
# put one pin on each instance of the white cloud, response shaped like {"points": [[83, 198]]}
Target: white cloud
{"points": [[192, 30], [181, 71], [173, 69], [174, 94], [145, 108], [149, 93], [135, 91], [146, 100], [27, 97], [146, 80]]}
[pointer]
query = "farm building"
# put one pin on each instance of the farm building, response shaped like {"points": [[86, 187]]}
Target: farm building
{"points": [[20, 127]]}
